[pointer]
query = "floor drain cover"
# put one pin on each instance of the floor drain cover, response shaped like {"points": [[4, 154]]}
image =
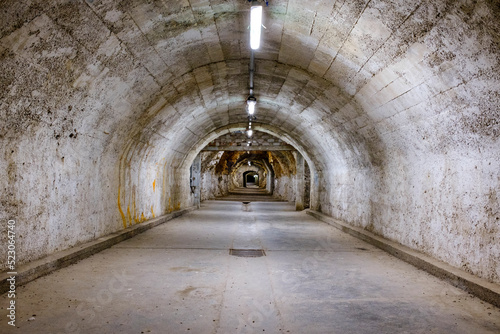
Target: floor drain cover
{"points": [[247, 252]]}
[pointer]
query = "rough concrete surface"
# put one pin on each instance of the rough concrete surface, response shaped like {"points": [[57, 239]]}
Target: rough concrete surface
{"points": [[58, 260], [179, 278], [481, 288], [105, 104]]}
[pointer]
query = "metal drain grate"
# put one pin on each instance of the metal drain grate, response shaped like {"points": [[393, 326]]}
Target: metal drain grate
{"points": [[247, 252]]}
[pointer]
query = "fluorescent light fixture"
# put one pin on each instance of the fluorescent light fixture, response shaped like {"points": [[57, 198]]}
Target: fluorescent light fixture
{"points": [[255, 26], [249, 163], [251, 102], [250, 133], [251, 108]]}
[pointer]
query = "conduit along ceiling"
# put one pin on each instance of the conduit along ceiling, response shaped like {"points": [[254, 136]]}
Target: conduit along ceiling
{"points": [[393, 105]]}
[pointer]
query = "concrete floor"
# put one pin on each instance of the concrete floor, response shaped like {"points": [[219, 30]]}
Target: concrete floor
{"points": [[179, 278], [249, 193]]}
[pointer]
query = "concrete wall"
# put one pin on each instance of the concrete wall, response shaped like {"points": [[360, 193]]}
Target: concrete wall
{"points": [[284, 189], [307, 186], [444, 203], [212, 184]]}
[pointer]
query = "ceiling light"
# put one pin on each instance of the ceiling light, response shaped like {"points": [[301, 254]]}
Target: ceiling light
{"points": [[249, 133], [251, 102], [255, 25]]}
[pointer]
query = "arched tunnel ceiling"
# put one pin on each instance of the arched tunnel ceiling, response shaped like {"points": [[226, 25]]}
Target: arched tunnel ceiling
{"points": [[393, 104], [240, 139], [336, 74]]}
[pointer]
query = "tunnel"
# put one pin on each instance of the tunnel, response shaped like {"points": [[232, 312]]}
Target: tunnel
{"points": [[376, 119], [250, 178]]}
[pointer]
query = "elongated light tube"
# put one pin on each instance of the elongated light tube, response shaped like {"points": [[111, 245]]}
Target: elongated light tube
{"points": [[251, 108], [255, 26], [251, 102], [250, 133]]}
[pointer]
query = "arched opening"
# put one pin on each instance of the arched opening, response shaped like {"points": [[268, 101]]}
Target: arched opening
{"points": [[216, 151], [250, 179], [231, 162]]}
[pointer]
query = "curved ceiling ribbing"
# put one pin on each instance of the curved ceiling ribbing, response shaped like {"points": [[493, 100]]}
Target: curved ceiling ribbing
{"points": [[203, 107]]}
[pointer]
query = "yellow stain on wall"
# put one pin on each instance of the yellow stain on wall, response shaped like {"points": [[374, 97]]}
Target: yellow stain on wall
{"points": [[154, 185], [169, 204], [152, 212], [136, 216], [129, 215], [178, 206], [121, 211], [142, 217]]}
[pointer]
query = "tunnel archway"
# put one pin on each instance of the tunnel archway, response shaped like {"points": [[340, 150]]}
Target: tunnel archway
{"points": [[382, 100], [250, 178], [276, 166], [312, 159]]}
